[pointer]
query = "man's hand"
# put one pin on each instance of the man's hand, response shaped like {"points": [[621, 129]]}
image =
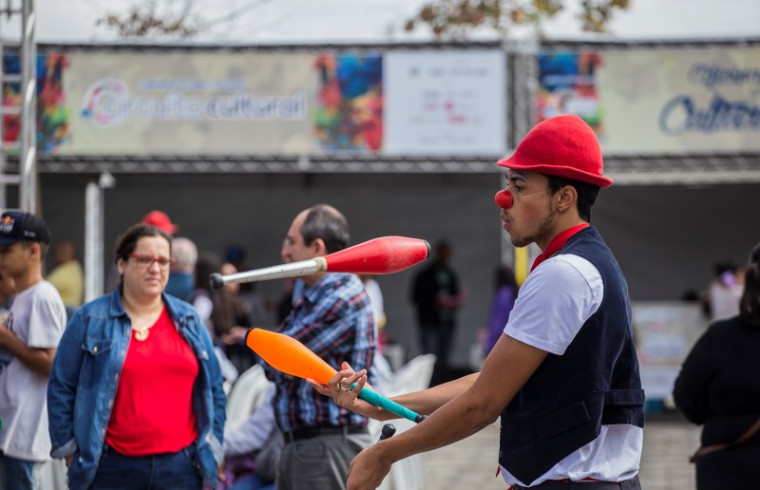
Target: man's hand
{"points": [[38, 359], [368, 469], [69, 459], [221, 471], [339, 389], [449, 302], [5, 334], [236, 335]]}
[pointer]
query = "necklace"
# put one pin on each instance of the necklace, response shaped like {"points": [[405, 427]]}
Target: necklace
{"points": [[137, 316], [141, 333]]}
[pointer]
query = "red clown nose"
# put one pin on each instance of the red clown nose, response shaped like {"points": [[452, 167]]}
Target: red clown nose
{"points": [[503, 199]]}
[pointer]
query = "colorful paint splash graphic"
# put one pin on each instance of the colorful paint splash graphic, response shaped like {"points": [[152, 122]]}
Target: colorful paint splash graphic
{"points": [[567, 85], [52, 117], [349, 109], [100, 99]]}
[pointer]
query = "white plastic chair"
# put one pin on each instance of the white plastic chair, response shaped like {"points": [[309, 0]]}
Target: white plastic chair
{"points": [[245, 396], [407, 474], [52, 475], [413, 376]]}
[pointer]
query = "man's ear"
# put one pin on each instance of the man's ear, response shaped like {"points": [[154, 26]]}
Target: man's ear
{"points": [[318, 247], [566, 197], [36, 249]]}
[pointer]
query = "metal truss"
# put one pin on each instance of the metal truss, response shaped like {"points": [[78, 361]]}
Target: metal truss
{"points": [[636, 170], [25, 176], [684, 170], [234, 164]]}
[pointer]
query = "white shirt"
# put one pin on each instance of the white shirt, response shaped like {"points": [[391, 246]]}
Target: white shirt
{"points": [[38, 319], [254, 432], [554, 302]]}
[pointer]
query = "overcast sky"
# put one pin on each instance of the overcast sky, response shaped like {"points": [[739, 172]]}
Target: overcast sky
{"points": [[289, 21]]}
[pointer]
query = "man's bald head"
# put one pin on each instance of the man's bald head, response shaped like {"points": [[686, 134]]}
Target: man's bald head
{"points": [[185, 253]]}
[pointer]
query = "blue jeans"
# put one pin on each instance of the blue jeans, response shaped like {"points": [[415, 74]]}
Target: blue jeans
{"points": [[169, 471], [437, 339], [18, 473], [252, 482]]}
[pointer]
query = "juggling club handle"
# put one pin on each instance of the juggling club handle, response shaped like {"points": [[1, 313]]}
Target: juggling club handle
{"points": [[387, 431], [389, 405], [215, 281]]}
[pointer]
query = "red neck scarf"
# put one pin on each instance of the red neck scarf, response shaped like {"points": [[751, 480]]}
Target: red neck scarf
{"points": [[557, 243]]}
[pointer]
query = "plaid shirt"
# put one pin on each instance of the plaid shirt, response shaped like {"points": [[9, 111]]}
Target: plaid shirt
{"points": [[334, 320]]}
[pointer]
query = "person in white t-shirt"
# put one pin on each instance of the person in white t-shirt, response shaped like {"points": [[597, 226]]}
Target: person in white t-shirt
{"points": [[564, 375], [28, 337]]}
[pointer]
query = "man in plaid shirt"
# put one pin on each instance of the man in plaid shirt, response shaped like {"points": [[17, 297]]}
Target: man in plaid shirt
{"points": [[332, 316]]}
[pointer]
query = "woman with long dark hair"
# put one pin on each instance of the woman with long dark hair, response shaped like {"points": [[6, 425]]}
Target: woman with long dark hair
{"points": [[719, 388], [214, 305]]}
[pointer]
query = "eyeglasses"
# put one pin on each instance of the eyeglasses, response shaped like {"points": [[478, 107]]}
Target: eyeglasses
{"points": [[147, 260]]}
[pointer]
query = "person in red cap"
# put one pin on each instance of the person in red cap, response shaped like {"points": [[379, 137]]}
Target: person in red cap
{"points": [[160, 220], [564, 375]]}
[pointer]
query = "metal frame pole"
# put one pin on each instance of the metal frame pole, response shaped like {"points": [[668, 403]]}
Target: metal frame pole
{"points": [[28, 156], [93, 241]]}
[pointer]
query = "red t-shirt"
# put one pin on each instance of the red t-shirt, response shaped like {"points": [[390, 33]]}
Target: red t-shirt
{"points": [[153, 410]]}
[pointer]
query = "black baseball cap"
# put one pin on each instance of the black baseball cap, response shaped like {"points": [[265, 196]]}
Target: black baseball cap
{"points": [[19, 225]]}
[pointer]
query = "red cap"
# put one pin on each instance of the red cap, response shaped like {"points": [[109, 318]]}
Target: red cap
{"points": [[160, 220], [564, 146]]}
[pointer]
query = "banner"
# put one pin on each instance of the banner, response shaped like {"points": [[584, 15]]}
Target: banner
{"points": [[273, 103], [665, 332], [184, 102], [53, 116], [658, 101], [349, 105], [445, 102]]}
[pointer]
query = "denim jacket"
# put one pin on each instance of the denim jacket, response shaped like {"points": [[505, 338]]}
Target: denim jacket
{"points": [[85, 376]]}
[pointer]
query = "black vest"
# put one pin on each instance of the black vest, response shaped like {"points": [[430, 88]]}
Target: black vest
{"points": [[595, 382]]}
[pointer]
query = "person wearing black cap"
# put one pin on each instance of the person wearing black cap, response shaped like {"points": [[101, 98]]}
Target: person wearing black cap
{"points": [[564, 375], [29, 337]]}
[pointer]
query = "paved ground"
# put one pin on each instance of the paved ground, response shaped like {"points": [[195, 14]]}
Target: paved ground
{"points": [[470, 465]]}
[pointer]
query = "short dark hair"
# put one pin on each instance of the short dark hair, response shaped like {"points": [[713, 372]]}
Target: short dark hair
{"points": [[43, 247], [127, 242], [505, 276], [587, 193], [749, 305], [325, 222]]}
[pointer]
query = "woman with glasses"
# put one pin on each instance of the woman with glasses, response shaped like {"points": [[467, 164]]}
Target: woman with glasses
{"points": [[135, 398]]}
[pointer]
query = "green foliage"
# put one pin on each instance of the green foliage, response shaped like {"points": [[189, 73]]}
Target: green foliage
{"points": [[149, 19], [455, 19], [448, 19]]}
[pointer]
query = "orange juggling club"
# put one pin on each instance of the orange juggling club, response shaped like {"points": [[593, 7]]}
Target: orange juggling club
{"points": [[290, 356], [383, 255]]}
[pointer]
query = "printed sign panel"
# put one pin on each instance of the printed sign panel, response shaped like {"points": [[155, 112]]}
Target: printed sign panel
{"points": [[445, 103], [652, 101], [349, 105], [204, 103], [126, 103], [665, 332]]}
